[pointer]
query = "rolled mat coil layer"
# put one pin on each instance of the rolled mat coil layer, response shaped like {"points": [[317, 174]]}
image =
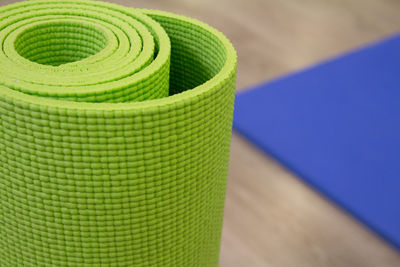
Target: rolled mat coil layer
{"points": [[115, 128]]}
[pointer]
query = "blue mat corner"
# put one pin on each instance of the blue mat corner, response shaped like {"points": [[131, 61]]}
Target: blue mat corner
{"points": [[337, 126]]}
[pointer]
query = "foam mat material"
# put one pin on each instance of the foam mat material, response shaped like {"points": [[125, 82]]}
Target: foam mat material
{"points": [[337, 126], [115, 128]]}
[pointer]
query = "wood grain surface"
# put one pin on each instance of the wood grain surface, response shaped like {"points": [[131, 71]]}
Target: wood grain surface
{"points": [[271, 218]]}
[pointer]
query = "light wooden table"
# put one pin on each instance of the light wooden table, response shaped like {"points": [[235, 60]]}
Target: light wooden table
{"points": [[272, 218]]}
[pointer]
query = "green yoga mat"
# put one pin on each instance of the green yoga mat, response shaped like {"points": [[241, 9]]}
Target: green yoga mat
{"points": [[115, 128]]}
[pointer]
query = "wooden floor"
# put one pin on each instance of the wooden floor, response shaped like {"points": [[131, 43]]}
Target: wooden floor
{"points": [[271, 218]]}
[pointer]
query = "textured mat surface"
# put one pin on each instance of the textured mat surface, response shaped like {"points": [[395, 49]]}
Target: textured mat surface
{"points": [[115, 128], [337, 126]]}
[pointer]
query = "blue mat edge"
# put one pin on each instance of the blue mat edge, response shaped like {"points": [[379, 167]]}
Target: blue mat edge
{"points": [[306, 68], [323, 193], [303, 178]]}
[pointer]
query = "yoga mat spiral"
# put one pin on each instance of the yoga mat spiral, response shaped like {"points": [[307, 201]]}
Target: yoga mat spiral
{"points": [[115, 128]]}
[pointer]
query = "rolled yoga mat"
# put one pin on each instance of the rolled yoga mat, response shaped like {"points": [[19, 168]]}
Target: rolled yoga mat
{"points": [[115, 127]]}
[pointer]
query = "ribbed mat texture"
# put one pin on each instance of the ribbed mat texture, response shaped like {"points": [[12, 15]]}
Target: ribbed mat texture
{"points": [[115, 128]]}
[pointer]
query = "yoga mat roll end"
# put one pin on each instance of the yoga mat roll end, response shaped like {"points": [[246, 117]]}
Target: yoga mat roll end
{"points": [[115, 127]]}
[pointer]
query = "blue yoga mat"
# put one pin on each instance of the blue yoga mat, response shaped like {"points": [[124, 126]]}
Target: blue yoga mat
{"points": [[337, 126]]}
